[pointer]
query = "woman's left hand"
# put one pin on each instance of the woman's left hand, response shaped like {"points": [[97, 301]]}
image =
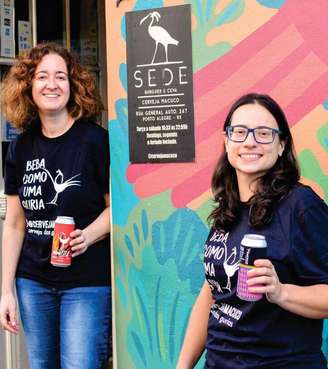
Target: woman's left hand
{"points": [[78, 243], [265, 275]]}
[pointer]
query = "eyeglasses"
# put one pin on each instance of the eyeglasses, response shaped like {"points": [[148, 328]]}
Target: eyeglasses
{"points": [[262, 134]]}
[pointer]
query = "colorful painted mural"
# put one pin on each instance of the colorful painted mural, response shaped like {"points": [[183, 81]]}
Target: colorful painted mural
{"points": [[160, 210]]}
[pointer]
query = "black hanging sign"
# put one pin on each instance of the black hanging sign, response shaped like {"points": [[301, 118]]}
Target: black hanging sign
{"points": [[160, 88]]}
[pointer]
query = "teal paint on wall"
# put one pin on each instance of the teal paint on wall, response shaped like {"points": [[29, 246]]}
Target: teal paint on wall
{"points": [[158, 275], [158, 248], [272, 3], [123, 197]]}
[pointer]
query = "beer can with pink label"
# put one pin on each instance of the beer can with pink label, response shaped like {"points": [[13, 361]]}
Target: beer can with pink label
{"points": [[61, 255], [252, 247]]}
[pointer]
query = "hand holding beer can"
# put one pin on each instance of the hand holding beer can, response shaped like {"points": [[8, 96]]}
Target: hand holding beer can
{"points": [[252, 247], [61, 254]]}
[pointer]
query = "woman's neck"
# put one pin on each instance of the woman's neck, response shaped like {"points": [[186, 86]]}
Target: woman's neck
{"points": [[246, 186], [55, 125]]}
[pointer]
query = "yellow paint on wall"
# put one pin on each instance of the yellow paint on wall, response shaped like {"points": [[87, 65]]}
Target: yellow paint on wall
{"points": [[174, 2], [305, 135], [116, 52], [241, 28]]}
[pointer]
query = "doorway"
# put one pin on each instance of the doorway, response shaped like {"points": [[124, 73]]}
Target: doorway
{"points": [[78, 25]]}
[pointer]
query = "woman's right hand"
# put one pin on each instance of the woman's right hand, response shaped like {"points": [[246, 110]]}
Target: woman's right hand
{"points": [[8, 313]]}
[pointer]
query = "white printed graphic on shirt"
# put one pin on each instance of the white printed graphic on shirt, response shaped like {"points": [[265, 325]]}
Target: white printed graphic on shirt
{"points": [[40, 227], [60, 185], [217, 249], [36, 174], [226, 314], [220, 252]]}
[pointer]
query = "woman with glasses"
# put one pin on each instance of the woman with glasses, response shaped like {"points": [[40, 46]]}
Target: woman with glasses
{"points": [[257, 191]]}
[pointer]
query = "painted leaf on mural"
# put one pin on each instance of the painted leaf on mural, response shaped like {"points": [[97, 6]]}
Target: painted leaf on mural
{"points": [[206, 20], [181, 238], [272, 3], [156, 331], [162, 284], [310, 166], [119, 162], [154, 258]]}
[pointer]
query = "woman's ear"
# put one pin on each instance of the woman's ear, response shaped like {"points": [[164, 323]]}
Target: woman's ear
{"points": [[225, 138], [281, 147]]}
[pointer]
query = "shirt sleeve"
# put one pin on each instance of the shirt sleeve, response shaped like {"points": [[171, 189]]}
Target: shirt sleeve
{"points": [[310, 245], [10, 178]]}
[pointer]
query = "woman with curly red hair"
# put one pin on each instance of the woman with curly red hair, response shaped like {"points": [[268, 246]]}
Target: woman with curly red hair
{"points": [[57, 166]]}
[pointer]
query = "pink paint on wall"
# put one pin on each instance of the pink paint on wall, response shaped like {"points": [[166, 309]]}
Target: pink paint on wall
{"points": [[285, 58]]}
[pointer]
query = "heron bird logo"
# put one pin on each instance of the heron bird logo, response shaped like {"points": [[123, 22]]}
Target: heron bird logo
{"points": [[159, 34], [60, 185], [230, 266], [63, 241]]}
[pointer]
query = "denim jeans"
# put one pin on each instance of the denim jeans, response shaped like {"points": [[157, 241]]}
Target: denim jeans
{"points": [[65, 328]]}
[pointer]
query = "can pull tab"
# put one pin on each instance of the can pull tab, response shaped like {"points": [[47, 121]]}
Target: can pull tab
{"points": [[3, 205]]}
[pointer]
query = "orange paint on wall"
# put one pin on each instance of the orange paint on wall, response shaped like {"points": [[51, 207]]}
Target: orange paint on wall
{"points": [[174, 2], [116, 52]]}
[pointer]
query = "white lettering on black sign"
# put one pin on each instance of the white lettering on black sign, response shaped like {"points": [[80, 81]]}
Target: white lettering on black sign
{"points": [[160, 89]]}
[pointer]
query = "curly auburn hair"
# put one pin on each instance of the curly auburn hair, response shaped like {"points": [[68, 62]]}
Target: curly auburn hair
{"points": [[272, 186], [16, 90]]}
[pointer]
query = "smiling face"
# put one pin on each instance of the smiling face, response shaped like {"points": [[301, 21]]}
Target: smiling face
{"points": [[50, 85], [249, 158]]}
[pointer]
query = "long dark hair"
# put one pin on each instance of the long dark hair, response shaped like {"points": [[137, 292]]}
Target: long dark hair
{"points": [[272, 186]]}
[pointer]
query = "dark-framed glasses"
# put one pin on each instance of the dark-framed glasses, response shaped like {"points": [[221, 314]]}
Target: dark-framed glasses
{"points": [[261, 134]]}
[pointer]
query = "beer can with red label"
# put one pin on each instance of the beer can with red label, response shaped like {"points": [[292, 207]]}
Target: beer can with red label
{"points": [[61, 255]]}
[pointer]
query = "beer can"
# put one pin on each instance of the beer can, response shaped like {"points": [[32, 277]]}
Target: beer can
{"points": [[61, 254], [252, 247]]}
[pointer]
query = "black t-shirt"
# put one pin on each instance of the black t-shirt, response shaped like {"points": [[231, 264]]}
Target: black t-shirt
{"points": [[262, 335], [68, 176]]}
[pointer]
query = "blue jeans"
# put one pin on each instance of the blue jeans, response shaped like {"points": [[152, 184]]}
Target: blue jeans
{"points": [[65, 328]]}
